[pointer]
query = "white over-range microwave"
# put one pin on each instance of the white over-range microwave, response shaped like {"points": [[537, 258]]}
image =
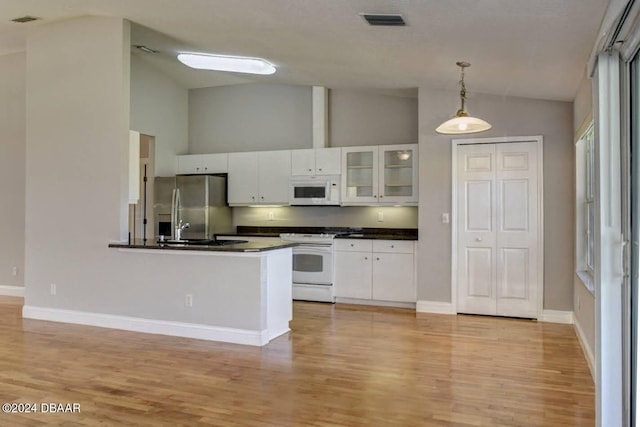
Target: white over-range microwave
{"points": [[314, 190]]}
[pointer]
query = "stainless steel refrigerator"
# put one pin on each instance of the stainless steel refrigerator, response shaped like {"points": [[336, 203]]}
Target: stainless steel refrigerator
{"points": [[200, 200]]}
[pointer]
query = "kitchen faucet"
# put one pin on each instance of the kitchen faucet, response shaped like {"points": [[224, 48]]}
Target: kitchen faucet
{"points": [[180, 228]]}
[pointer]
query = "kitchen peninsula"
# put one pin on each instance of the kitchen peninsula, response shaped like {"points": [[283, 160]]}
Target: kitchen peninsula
{"points": [[238, 293]]}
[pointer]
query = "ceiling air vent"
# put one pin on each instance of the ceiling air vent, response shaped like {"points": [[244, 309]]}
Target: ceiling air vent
{"points": [[384, 19], [25, 19]]}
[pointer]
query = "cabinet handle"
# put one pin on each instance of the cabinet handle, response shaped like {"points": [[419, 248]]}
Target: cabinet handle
{"points": [[253, 197], [206, 168], [262, 197], [377, 259], [478, 239], [366, 257], [381, 196], [351, 244], [392, 246], [309, 170], [320, 169]]}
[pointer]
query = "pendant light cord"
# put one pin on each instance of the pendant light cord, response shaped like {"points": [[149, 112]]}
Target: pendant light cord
{"points": [[463, 89]]}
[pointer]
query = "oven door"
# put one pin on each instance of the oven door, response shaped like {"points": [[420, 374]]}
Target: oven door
{"points": [[313, 264]]}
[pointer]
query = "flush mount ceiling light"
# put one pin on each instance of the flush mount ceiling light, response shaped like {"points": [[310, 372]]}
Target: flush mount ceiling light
{"points": [[462, 122], [227, 63]]}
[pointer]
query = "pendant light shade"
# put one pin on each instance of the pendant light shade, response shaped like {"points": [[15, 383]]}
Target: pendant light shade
{"points": [[463, 123]]}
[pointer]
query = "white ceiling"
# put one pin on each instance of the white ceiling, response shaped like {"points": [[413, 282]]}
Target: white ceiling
{"points": [[529, 48]]}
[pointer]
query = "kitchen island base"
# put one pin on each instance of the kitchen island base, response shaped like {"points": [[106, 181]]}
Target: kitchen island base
{"points": [[235, 297]]}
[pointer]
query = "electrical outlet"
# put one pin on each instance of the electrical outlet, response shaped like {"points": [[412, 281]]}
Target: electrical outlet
{"points": [[188, 300], [53, 289], [272, 216], [445, 218], [14, 271], [380, 216]]}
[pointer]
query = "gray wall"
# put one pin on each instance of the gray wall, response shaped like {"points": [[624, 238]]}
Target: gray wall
{"points": [[77, 94], [12, 167], [582, 106], [394, 217], [254, 117], [159, 107], [250, 117], [510, 117], [367, 118]]}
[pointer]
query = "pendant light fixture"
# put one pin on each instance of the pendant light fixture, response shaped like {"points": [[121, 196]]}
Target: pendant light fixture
{"points": [[462, 122]]}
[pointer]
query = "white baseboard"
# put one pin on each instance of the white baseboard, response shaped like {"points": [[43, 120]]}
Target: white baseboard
{"points": [[437, 307], [149, 326], [557, 316], [378, 303], [12, 291], [588, 353]]}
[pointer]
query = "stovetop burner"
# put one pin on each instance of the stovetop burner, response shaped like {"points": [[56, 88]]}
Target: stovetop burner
{"points": [[308, 237]]}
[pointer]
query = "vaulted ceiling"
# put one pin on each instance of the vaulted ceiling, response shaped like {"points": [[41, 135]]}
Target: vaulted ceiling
{"points": [[535, 49]]}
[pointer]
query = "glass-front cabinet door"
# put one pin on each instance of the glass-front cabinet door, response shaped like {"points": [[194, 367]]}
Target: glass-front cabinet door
{"points": [[360, 175], [398, 174]]}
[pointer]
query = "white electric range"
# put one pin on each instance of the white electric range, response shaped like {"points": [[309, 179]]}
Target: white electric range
{"points": [[313, 272]]}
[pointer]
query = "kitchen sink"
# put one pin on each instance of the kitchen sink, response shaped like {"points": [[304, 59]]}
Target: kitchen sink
{"points": [[200, 242]]}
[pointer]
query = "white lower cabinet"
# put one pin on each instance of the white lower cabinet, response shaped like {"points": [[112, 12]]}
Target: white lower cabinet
{"points": [[375, 270], [353, 274]]}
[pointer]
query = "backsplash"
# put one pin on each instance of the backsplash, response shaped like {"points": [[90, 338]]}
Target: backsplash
{"points": [[327, 216]]}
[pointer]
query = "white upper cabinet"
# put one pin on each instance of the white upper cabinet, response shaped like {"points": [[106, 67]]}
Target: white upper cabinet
{"points": [[203, 163], [303, 162], [242, 182], [360, 175], [375, 175], [259, 178], [319, 161], [274, 170], [398, 174]]}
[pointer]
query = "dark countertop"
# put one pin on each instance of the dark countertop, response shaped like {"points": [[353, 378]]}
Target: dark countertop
{"points": [[341, 232], [238, 247], [373, 236]]}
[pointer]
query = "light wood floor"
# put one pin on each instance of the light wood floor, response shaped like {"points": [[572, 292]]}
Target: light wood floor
{"points": [[341, 365]]}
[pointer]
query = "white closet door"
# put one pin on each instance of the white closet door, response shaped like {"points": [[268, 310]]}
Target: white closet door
{"points": [[497, 229], [517, 229], [476, 252]]}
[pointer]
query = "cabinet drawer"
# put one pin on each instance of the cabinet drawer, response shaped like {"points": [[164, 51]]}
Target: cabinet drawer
{"points": [[353, 245], [394, 246]]}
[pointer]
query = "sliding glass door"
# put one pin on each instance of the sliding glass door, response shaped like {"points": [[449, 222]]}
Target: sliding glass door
{"points": [[631, 290]]}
